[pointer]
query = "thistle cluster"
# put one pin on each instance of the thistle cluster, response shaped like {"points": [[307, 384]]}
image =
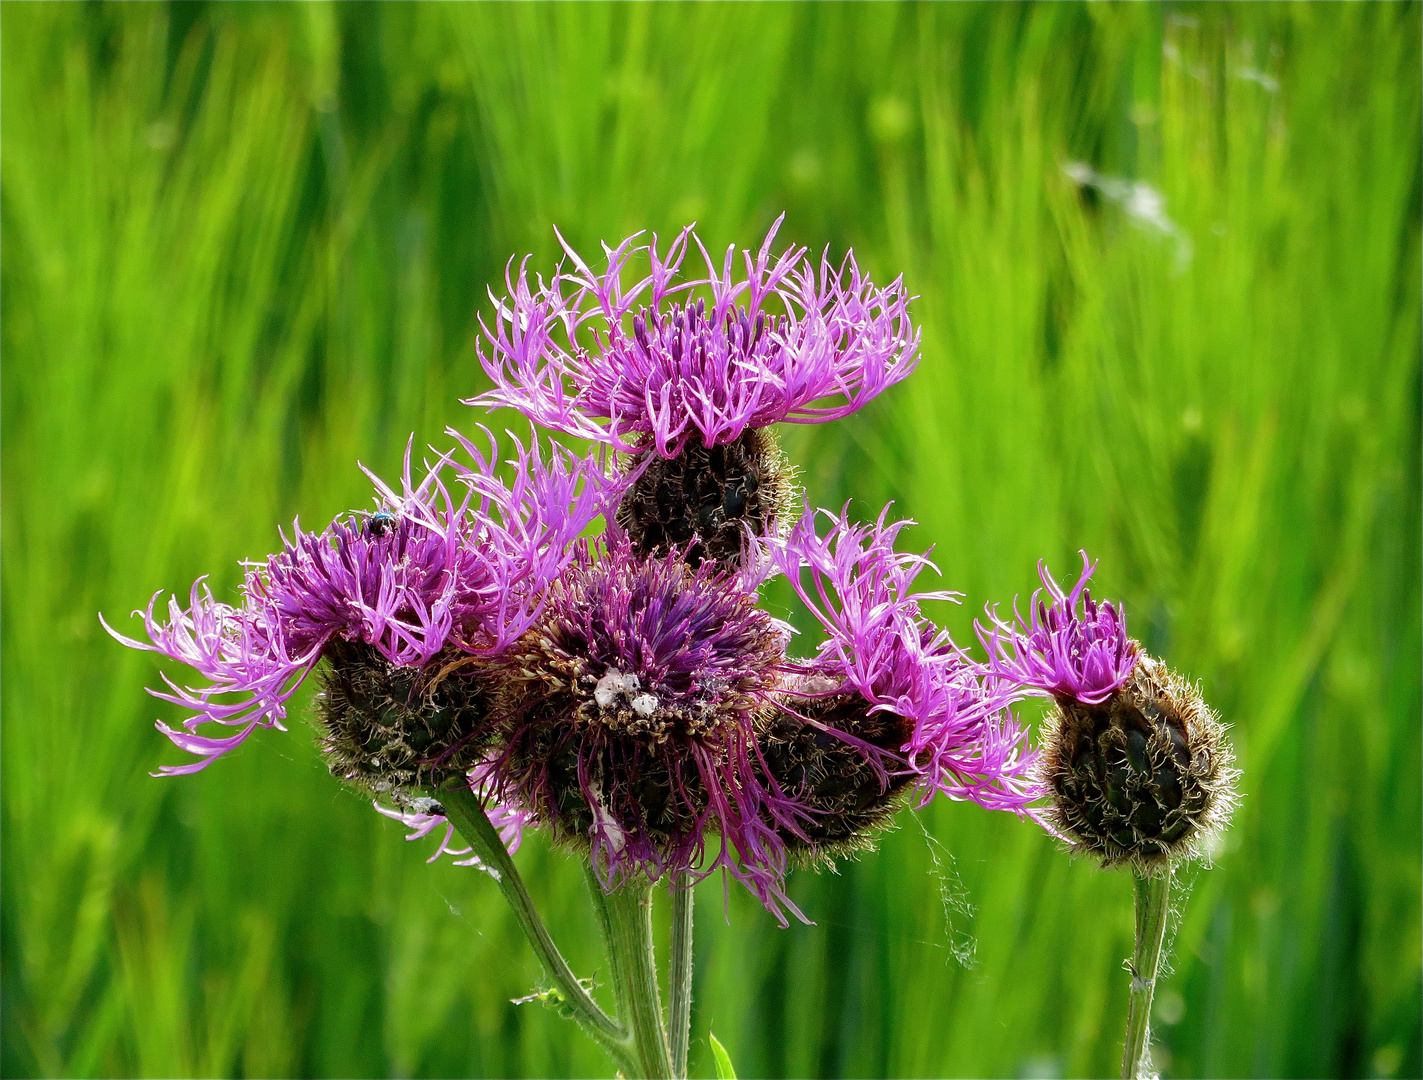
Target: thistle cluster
{"points": [[625, 690]]}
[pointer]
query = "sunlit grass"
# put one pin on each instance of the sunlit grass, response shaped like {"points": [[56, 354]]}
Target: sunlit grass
{"points": [[243, 248]]}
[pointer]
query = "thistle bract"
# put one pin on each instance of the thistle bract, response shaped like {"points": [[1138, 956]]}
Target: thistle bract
{"points": [[831, 752], [1144, 777], [707, 502]]}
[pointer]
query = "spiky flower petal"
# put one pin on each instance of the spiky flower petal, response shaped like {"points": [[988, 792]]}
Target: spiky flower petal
{"points": [[658, 363], [924, 709], [1073, 647], [423, 576]]}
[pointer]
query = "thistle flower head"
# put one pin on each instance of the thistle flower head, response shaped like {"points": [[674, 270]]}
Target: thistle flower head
{"points": [[1073, 647], [629, 714], [892, 686], [425, 578], [660, 363]]}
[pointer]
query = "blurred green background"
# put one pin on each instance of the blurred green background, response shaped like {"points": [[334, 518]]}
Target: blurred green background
{"points": [[1169, 276]]}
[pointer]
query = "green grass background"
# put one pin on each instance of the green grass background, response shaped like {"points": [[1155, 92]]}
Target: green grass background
{"points": [[243, 247]]}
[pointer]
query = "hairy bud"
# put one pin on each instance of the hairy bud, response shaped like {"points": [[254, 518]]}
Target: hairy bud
{"points": [[709, 496], [394, 730], [1144, 777], [852, 790]]}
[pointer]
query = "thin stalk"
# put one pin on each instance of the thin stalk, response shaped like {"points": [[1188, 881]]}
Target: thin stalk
{"points": [[625, 917], [1153, 899], [680, 978], [466, 813]]}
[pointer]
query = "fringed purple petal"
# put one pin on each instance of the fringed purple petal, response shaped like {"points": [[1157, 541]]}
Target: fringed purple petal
{"points": [[1074, 647], [526, 529], [707, 358], [964, 739], [241, 652], [425, 572]]}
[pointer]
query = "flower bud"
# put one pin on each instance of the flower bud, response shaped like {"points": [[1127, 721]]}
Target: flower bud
{"points": [[704, 498], [393, 730], [1144, 777]]}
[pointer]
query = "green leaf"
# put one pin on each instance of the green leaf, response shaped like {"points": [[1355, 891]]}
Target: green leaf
{"points": [[724, 1071]]}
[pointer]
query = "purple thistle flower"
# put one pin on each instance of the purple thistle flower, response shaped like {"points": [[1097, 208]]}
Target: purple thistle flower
{"points": [[1074, 647], [658, 366], [423, 574], [630, 720], [959, 735]]}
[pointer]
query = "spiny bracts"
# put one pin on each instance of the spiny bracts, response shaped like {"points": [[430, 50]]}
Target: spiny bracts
{"points": [[703, 501], [394, 731], [1144, 777], [841, 760]]}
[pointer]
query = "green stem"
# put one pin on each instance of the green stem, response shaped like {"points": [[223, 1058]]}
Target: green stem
{"points": [[680, 980], [466, 813], [1153, 900], [625, 917]]}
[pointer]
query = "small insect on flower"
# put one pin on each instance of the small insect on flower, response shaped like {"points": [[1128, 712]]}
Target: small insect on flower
{"points": [[1135, 762], [400, 612], [686, 376], [422, 815], [889, 702], [380, 523]]}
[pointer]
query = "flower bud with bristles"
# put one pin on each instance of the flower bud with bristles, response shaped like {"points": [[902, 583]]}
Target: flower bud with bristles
{"points": [[703, 501], [839, 758], [393, 731], [1135, 762], [1144, 777]]}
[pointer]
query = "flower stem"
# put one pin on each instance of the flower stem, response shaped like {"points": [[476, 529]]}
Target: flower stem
{"points": [[465, 811], [1153, 896], [625, 917], [680, 981]]}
